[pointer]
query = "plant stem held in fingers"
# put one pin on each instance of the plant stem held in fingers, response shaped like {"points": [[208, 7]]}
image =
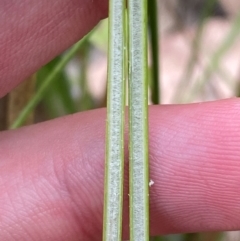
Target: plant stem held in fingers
{"points": [[113, 194], [138, 121]]}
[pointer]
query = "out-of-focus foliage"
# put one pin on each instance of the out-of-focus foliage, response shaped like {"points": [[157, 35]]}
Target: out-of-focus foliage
{"points": [[69, 93]]}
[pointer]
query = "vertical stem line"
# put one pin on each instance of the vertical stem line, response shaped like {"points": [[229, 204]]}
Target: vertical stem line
{"points": [[113, 193], [153, 27], [46, 83], [19, 98], [138, 121]]}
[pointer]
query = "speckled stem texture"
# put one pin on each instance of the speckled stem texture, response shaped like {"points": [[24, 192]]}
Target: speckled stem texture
{"points": [[112, 229], [138, 121]]}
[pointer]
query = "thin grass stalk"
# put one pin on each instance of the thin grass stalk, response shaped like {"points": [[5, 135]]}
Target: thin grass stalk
{"points": [[157, 238], [208, 8], [113, 193], [216, 58], [85, 100], [46, 83], [153, 27], [138, 121], [18, 98], [209, 5], [13, 103], [58, 99]]}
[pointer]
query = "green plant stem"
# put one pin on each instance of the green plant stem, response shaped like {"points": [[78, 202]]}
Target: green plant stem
{"points": [[45, 84], [157, 239], [85, 100], [18, 98], [138, 121], [57, 99], [195, 48], [153, 26], [216, 58], [113, 193]]}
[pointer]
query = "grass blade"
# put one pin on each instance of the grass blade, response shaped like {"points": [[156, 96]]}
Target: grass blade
{"points": [[44, 86], [153, 27], [18, 98], [138, 121], [195, 49], [57, 100], [13, 103], [113, 195], [216, 59]]}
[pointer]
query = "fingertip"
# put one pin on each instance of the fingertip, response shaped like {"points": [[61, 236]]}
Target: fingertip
{"points": [[34, 32]]}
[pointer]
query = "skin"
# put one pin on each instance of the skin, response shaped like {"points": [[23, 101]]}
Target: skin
{"points": [[51, 174]]}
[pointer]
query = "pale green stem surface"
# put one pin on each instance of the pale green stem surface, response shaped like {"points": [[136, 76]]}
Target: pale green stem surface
{"points": [[138, 121], [46, 83], [113, 194]]}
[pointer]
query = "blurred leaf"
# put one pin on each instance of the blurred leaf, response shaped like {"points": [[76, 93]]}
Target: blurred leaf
{"points": [[86, 101], [57, 100], [216, 58], [41, 91], [154, 39], [193, 59], [100, 36]]}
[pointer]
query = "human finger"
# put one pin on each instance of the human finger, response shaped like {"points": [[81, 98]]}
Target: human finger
{"points": [[33, 32], [52, 174]]}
